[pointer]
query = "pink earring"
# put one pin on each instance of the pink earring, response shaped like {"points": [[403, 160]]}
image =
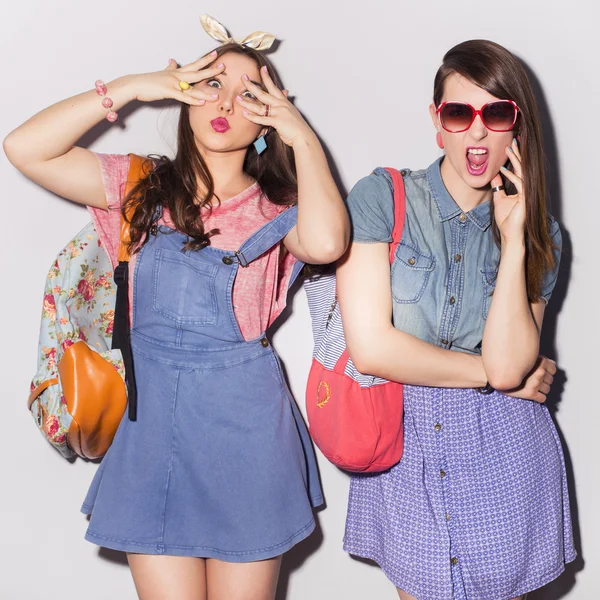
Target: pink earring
{"points": [[439, 140]]}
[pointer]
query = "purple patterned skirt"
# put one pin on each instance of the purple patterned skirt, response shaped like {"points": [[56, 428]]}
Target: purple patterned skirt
{"points": [[477, 509]]}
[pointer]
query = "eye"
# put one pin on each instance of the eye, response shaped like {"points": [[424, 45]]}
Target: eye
{"points": [[249, 95], [215, 83]]}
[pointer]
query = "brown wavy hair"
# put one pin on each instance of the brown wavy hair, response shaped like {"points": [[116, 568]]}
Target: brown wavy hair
{"points": [[173, 183], [494, 69]]}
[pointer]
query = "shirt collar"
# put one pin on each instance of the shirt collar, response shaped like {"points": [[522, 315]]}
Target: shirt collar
{"points": [[447, 207]]}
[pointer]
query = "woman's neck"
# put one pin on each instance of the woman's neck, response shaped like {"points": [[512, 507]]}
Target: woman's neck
{"points": [[227, 171], [463, 194]]}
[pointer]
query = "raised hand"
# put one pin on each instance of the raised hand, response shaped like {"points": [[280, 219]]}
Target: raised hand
{"points": [[273, 109], [509, 211], [150, 87]]}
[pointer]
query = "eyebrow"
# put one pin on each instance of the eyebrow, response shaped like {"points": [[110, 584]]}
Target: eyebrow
{"points": [[252, 80]]}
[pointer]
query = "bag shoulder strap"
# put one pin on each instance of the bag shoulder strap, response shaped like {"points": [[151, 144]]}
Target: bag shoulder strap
{"points": [[139, 167], [399, 210]]}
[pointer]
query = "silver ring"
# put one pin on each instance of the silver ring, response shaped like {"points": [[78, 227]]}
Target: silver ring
{"points": [[497, 188]]}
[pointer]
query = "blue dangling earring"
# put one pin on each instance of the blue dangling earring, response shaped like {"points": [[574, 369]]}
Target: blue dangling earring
{"points": [[260, 144]]}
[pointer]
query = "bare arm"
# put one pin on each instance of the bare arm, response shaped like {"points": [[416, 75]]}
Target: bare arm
{"points": [[375, 346], [323, 229], [511, 336], [43, 148]]}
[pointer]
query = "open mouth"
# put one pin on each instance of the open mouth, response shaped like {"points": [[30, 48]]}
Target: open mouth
{"points": [[220, 125], [477, 160]]}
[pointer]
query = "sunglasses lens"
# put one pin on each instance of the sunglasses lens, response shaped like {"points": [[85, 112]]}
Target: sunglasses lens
{"points": [[499, 116], [456, 116]]}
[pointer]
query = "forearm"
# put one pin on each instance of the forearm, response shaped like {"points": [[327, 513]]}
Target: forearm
{"points": [[54, 131], [323, 227], [398, 356], [511, 338]]}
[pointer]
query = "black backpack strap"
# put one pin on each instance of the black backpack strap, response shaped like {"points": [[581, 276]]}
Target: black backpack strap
{"points": [[121, 337], [138, 169]]}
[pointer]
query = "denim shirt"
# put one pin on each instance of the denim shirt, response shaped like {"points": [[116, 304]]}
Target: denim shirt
{"points": [[444, 271]]}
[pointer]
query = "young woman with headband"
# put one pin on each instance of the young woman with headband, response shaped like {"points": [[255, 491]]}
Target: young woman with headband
{"points": [[216, 478]]}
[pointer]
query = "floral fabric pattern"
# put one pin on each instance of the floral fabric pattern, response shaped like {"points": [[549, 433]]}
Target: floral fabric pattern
{"points": [[78, 305]]}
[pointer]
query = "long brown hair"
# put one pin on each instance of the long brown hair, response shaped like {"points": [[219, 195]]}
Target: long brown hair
{"points": [[494, 69], [173, 183]]}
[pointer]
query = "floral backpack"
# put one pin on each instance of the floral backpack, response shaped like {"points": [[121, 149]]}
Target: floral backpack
{"points": [[79, 313]]}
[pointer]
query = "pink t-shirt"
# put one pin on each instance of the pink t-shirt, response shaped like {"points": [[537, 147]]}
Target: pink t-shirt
{"points": [[260, 289]]}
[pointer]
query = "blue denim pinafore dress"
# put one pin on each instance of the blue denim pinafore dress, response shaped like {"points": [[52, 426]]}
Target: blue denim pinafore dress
{"points": [[219, 463]]}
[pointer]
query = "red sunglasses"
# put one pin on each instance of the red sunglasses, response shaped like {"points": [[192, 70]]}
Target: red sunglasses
{"points": [[499, 115]]}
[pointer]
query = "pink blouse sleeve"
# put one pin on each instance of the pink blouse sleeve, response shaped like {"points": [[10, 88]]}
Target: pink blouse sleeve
{"points": [[114, 169]]}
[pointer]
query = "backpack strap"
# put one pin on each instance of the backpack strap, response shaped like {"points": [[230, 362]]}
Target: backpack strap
{"points": [[399, 217], [138, 169]]}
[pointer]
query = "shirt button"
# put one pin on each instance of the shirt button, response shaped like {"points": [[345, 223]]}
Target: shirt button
{"points": [[445, 342], [457, 258], [462, 217], [442, 473], [452, 300], [264, 342], [411, 261], [154, 230], [454, 560], [228, 260], [437, 427], [447, 516]]}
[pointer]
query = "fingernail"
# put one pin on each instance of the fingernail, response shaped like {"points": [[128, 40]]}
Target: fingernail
{"points": [[214, 95], [246, 112], [220, 66], [510, 148], [515, 141], [246, 77], [201, 102], [503, 168], [239, 98], [213, 53], [264, 69]]}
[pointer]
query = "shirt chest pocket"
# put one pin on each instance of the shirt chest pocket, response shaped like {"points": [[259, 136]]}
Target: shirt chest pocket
{"points": [[489, 275], [184, 289], [410, 273]]}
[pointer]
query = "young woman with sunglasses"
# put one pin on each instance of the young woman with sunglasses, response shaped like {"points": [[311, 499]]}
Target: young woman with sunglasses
{"points": [[216, 478], [477, 508]]}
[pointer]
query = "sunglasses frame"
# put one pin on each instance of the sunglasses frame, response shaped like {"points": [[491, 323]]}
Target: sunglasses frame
{"points": [[475, 113]]}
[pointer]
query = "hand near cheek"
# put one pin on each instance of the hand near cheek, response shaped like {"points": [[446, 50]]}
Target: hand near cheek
{"points": [[509, 211], [281, 114]]}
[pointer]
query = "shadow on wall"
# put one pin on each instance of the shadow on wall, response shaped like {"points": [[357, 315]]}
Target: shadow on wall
{"points": [[560, 587]]}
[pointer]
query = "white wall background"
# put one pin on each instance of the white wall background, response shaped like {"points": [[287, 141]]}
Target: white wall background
{"points": [[362, 73]]}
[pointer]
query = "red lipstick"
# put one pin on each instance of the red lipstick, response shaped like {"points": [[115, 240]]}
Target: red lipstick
{"points": [[220, 125]]}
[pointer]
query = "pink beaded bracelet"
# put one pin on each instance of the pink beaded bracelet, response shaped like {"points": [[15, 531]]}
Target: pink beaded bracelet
{"points": [[101, 90]]}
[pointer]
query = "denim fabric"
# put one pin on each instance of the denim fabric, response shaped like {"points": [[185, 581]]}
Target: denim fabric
{"points": [[446, 265], [219, 462]]}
